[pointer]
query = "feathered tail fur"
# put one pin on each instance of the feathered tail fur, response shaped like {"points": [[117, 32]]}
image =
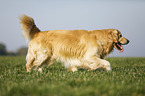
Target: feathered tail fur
{"points": [[28, 26]]}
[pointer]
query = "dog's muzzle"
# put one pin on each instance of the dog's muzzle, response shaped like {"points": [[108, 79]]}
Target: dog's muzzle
{"points": [[118, 44]]}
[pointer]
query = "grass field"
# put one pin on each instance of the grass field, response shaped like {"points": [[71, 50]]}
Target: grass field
{"points": [[126, 79]]}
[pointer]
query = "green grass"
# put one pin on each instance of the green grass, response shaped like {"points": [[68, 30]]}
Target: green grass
{"points": [[126, 79]]}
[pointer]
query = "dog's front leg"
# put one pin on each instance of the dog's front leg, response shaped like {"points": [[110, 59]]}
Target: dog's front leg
{"points": [[99, 63]]}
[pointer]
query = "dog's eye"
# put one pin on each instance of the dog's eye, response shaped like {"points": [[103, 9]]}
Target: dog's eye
{"points": [[120, 35]]}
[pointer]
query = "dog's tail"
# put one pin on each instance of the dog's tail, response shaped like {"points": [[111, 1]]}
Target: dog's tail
{"points": [[28, 26]]}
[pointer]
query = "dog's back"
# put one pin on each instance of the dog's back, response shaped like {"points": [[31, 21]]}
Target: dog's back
{"points": [[67, 46]]}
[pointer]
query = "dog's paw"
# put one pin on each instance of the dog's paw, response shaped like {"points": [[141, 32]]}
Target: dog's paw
{"points": [[40, 70], [73, 69]]}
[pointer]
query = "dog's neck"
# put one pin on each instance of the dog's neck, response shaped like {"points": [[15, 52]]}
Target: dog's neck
{"points": [[105, 49]]}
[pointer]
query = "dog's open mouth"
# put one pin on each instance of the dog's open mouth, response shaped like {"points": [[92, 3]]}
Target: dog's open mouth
{"points": [[119, 47]]}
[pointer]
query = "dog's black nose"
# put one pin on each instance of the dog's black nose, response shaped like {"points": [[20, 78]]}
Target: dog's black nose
{"points": [[128, 41]]}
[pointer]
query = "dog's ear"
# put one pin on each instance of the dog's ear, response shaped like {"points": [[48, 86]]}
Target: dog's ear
{"points": [[112, 35], [115, 35]]}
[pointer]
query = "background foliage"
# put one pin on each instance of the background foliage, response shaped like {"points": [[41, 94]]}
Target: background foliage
{"points": [[4, 51]]}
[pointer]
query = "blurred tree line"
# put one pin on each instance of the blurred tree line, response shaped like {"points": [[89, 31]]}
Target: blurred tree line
{"points": [[4, 52]]}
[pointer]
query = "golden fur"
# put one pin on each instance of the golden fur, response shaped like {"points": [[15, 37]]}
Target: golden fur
{"points": [[74, 48]]}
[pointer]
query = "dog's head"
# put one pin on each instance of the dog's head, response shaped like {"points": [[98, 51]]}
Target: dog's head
{"points": [[119, 40]]}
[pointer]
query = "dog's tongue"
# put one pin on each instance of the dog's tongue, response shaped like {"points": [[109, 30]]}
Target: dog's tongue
{"points": [[121, 47]]}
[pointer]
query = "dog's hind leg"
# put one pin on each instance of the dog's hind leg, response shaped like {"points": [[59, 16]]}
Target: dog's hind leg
{"points": [[47, 62], [73, 69], [35, 59], [30, 59], [39, 61], [50, 62]]}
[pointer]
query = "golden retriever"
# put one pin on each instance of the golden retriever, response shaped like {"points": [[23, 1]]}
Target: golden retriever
{"points": [[74, 48]]}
